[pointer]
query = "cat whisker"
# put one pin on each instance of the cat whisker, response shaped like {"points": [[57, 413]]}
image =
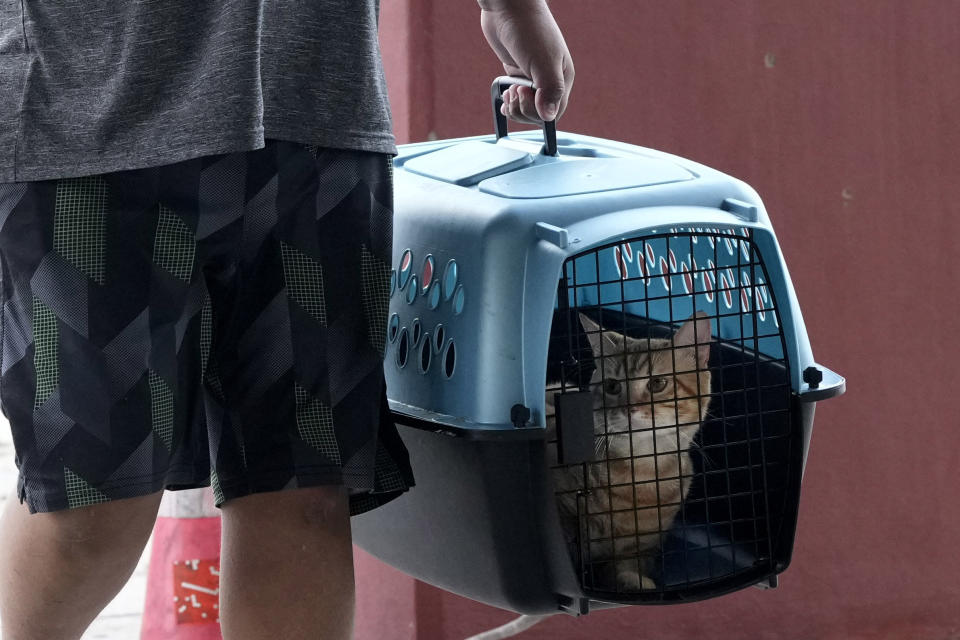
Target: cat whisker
{"points": [[707, 461], [600, 447], [689, 441]]}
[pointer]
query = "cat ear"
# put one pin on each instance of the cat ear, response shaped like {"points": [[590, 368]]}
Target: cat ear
{"points": [[696, 331], [588, 325], [612, 341]]}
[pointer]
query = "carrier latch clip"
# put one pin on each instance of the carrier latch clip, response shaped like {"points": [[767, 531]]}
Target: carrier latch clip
{"points": [[519, 416], [575, 439]]}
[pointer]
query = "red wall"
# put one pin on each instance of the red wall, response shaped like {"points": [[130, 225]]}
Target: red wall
{"points": [[843, 115]]}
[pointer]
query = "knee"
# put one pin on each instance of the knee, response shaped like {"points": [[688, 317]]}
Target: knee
{"points": [[323, 506]]}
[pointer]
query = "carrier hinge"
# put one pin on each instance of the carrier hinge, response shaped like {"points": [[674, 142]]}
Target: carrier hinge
{"points": [[573, 606], [770, 583]]}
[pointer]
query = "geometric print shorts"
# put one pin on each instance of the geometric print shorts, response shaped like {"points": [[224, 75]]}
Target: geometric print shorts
{"points": [[219, 321]]}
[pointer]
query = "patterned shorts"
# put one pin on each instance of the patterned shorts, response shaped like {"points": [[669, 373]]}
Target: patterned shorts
{"points": [[219, 321]]}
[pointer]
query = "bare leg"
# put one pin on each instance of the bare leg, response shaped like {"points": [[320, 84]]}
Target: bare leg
{"points": [[286, 566], [59, 570]]}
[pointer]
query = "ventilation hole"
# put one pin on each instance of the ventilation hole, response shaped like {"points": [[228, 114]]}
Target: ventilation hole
{"points": [[433, 297], [458, 300], [403, 349], [426, 274], [393, 328], [405, 268], [393, 281], [412, 291], [449, 279], [449, 360], [416, 330], [425, 354], [438, 333]]}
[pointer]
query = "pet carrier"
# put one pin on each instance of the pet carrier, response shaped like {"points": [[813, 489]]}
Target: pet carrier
{"points": [[599, 367]]}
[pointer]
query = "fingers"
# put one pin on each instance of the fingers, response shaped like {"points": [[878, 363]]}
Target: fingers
{"points": [[523, 105], [552, 74], [568, 75], [519, 104], [549, 81]]}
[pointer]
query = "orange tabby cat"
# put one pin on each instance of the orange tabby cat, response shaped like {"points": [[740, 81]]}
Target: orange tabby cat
{"points": [[649, 399]]}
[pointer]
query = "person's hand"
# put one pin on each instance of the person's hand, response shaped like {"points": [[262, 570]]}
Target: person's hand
{"points": [[528, 42]]}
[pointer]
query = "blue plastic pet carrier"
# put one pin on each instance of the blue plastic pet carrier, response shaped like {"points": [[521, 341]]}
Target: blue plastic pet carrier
{"points": [[600, 369]]}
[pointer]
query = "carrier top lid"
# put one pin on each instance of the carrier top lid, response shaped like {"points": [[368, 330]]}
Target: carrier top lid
{"points": [[469, 162], [507, 170], [583, 175]]}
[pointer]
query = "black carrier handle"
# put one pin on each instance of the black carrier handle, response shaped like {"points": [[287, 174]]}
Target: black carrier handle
{"points": [[500, 120]]}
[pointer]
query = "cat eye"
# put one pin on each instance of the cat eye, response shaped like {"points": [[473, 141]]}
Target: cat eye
{"points": [[656, 385], [612, 387]]}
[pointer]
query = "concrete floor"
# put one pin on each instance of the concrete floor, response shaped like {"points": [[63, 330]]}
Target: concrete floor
{"points": [[120, 620]]}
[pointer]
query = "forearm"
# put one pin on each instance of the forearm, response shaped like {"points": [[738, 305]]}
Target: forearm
{"points": [[500, 5]]}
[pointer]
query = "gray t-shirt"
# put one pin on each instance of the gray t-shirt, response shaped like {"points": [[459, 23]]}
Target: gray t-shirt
{"points": [[94, 86]]}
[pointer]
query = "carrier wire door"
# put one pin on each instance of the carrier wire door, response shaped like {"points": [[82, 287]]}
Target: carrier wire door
{"points": [[667, 351]]}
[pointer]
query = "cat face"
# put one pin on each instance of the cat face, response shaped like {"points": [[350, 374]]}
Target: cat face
{"points": [[649, 395]]}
